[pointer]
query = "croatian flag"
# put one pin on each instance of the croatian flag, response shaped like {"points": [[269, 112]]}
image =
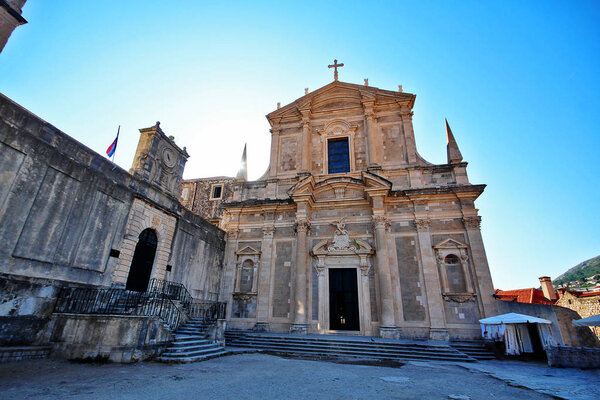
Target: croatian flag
{"points": [[113, 147]]}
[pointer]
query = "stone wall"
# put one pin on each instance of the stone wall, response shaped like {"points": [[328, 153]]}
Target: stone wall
{"points": [[562, 328], [196, 195], [70, 217], [117, 338], [584, 306], [573, 357]]}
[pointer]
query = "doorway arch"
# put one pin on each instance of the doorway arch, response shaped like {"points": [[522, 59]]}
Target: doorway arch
{"points": [[143, 260]]}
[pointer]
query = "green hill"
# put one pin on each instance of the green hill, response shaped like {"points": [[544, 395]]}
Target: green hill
{"points": [[581, 271]]}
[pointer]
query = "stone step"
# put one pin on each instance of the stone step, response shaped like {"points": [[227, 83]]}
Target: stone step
{"points": [[477, 351], [350, 346], [183, 343], [191, 349], [187, 359], [373, 353], [334, 343], [18, 353], [358, 354]]}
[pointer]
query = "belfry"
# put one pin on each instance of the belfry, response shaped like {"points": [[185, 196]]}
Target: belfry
{"points": [[350, 230]]}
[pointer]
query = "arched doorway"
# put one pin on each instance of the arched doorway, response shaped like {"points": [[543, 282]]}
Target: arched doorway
{"points": [[143, 260]]}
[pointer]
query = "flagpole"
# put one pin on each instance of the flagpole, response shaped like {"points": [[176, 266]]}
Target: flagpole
{"points": [[115, 152]]}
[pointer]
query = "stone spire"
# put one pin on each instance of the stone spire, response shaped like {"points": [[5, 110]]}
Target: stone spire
{"points": [[243, 171], [454, 155]]}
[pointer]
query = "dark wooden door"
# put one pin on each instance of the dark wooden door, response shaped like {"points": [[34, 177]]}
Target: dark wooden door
{"points": [[143, 260], [343, 300]]}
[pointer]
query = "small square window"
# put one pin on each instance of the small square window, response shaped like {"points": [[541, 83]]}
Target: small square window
{"points": [[216, 192]]}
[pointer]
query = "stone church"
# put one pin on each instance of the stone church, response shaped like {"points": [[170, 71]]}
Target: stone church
{"points": [[350, 230]]}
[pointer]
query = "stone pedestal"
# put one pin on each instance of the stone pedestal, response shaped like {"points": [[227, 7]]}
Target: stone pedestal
{"points": [[389, 332], [299, 329], [439, 334], [261, 327]]}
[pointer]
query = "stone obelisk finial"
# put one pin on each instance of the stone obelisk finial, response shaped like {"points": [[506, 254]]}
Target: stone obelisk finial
{"points": [[454, 155]]}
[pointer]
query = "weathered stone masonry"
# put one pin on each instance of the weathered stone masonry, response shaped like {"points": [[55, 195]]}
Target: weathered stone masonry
{"points": [[70, 217]]}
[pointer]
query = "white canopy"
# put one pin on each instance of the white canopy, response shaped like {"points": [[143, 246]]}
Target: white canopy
{"points": [[594, 320], [513, 318]]}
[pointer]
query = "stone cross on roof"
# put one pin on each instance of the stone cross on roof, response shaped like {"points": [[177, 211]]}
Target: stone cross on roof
{"points": [[335, 71]]}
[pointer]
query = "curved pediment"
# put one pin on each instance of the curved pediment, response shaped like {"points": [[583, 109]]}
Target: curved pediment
{"points": [[340, 187]]}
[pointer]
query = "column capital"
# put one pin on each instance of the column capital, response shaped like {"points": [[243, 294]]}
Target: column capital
{"points": [[472, 222], [268, 231], [407, 116], [380, 221], [233, 232], [422, 223], [302, 225]]}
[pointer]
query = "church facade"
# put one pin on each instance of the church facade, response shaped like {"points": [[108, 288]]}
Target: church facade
{"points": [[350, 230]]}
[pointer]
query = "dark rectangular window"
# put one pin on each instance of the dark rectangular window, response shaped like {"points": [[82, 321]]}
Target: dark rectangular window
{"points": [[338, 154], [217, 192]]}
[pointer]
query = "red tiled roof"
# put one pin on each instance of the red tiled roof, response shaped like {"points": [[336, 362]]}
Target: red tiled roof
{"points": [[530, 295]]}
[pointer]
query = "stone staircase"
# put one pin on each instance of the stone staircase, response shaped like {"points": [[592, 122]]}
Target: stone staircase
{"points": [[191, 344], [475, 349], [324, 346]]}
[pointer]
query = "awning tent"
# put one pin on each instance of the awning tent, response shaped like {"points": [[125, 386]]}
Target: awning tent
{"points": [[513, 318], [513, 330], [594, 320]]}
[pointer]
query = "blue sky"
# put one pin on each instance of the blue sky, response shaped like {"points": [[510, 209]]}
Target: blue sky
{"points": [[518, 82]]}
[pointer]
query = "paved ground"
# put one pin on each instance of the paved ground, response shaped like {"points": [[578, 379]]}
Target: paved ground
{"points": [[566, 383], [249, 376]]}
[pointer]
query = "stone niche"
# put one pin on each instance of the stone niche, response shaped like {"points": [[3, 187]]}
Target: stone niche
{"points": [[246, 282], [460, 299]]}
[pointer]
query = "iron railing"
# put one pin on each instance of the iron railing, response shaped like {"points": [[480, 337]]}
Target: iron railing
{"points": [[209, 311], [173, 290], [119, 302]]}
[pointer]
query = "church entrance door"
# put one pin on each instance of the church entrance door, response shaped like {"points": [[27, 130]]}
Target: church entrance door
{"points": [[143, 260], [343, 299]]}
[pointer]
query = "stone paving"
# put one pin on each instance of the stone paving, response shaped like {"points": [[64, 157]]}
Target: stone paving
{"points": [[250, 376]]}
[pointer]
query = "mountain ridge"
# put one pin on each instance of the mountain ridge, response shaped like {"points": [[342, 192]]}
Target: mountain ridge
{"points": [[579, 272]]}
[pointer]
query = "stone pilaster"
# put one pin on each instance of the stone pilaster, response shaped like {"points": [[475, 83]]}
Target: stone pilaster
{"points": [[433, 289], [409, 136], [481, 268], [273, 167], [300, 325], [388, 327], [305, 147], [262, 307], [373, 142]]}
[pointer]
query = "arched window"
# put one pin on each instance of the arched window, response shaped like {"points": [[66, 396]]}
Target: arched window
{"points": [[247, 276], [454, 272]]}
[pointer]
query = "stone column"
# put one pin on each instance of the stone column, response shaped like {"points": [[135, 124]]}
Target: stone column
{"points": [[483, 278], [264, 280], [433, 289], [300, 325], [388, 327]]}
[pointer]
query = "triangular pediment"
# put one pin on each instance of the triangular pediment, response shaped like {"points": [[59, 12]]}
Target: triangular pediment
{"points": [[450, 244], [247, 250], [336, 95]]}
